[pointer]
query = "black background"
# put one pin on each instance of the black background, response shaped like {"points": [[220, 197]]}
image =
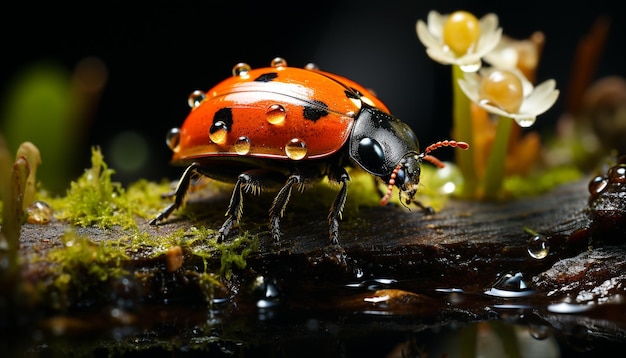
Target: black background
{"points": [[156, 53]]}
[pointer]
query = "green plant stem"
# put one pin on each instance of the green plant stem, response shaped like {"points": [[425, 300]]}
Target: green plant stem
{"points": [[462, 123], [494, 174]]}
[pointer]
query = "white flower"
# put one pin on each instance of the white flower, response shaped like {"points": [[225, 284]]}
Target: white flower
{"points": [[514, 96], [432, 36], [512, 53]]}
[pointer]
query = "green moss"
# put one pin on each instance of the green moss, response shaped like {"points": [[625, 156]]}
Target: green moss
{"points": [[533, 185], [95, 200], [83, 264], [232, 252]]}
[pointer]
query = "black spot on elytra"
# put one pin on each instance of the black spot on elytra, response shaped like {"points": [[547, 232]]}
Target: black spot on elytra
{"points": [[224, 115], [314, 113], [266, 77], [353, 93]]}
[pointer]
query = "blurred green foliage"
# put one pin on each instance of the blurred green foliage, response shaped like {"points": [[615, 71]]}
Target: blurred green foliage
{"points": [[38, 108], [47, 104]]}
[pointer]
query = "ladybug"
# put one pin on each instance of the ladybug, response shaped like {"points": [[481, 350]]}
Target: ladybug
{"points": [[280, 128]]}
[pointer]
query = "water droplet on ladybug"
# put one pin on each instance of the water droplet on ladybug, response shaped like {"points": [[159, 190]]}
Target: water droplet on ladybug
{"points": [[278, 62], [241, 69], [39, 212], [218, 132], [311, 66], [172, 139], [276, 114], [538, 247], [296, 149], [195, 98], [242, 145], [617, 174], [598, 184], [502, 89]]}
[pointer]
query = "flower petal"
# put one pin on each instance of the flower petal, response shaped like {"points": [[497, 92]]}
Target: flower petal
{"points": [[469, 85], [488, 23], [504, 58], [435, 23], [437, 54], [541, 104], [493, 109], [487, 42], [427, 39]]}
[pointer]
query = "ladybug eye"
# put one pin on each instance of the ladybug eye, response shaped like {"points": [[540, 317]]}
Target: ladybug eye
{"points": [[172, 139], [400, 177], [371, 154]]}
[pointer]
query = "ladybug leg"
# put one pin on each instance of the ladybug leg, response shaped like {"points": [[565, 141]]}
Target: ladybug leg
{"points": [[427, 210], [179, 193], [338, 205], [280, 203], [246, 182]]}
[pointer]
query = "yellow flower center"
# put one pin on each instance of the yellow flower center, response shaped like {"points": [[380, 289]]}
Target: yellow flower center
{"points": [[502, 89], [461, 32]]}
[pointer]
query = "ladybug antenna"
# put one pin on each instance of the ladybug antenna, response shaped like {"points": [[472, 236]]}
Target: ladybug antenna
{"points": [[390, 184], [444, 143]]}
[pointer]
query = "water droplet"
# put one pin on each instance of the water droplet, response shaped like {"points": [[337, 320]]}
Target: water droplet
{"points": [[358, 272], [195, 98], [461, 32], [276, 114], [311, 66], [241, 69], [509, 286], [617, 174], [565, 307], [598, 184], [172, 139], [540, 331], [242, 145], [373, 284], [454, 295], [296, 149], [538, 247], [278, 62], [266, 292], [502, 89], [39, 212], [525, 122], [471, 67], [218, 132]]}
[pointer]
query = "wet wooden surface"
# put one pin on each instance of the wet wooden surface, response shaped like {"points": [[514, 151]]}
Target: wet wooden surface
{"points": [[415, 260]]}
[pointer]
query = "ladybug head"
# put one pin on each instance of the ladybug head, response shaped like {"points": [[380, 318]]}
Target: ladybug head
{"points": [[386, 147], [407, 173], [406, 176]]}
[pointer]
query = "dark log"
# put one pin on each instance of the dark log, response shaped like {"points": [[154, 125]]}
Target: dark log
{"points": [[397, 268]]}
